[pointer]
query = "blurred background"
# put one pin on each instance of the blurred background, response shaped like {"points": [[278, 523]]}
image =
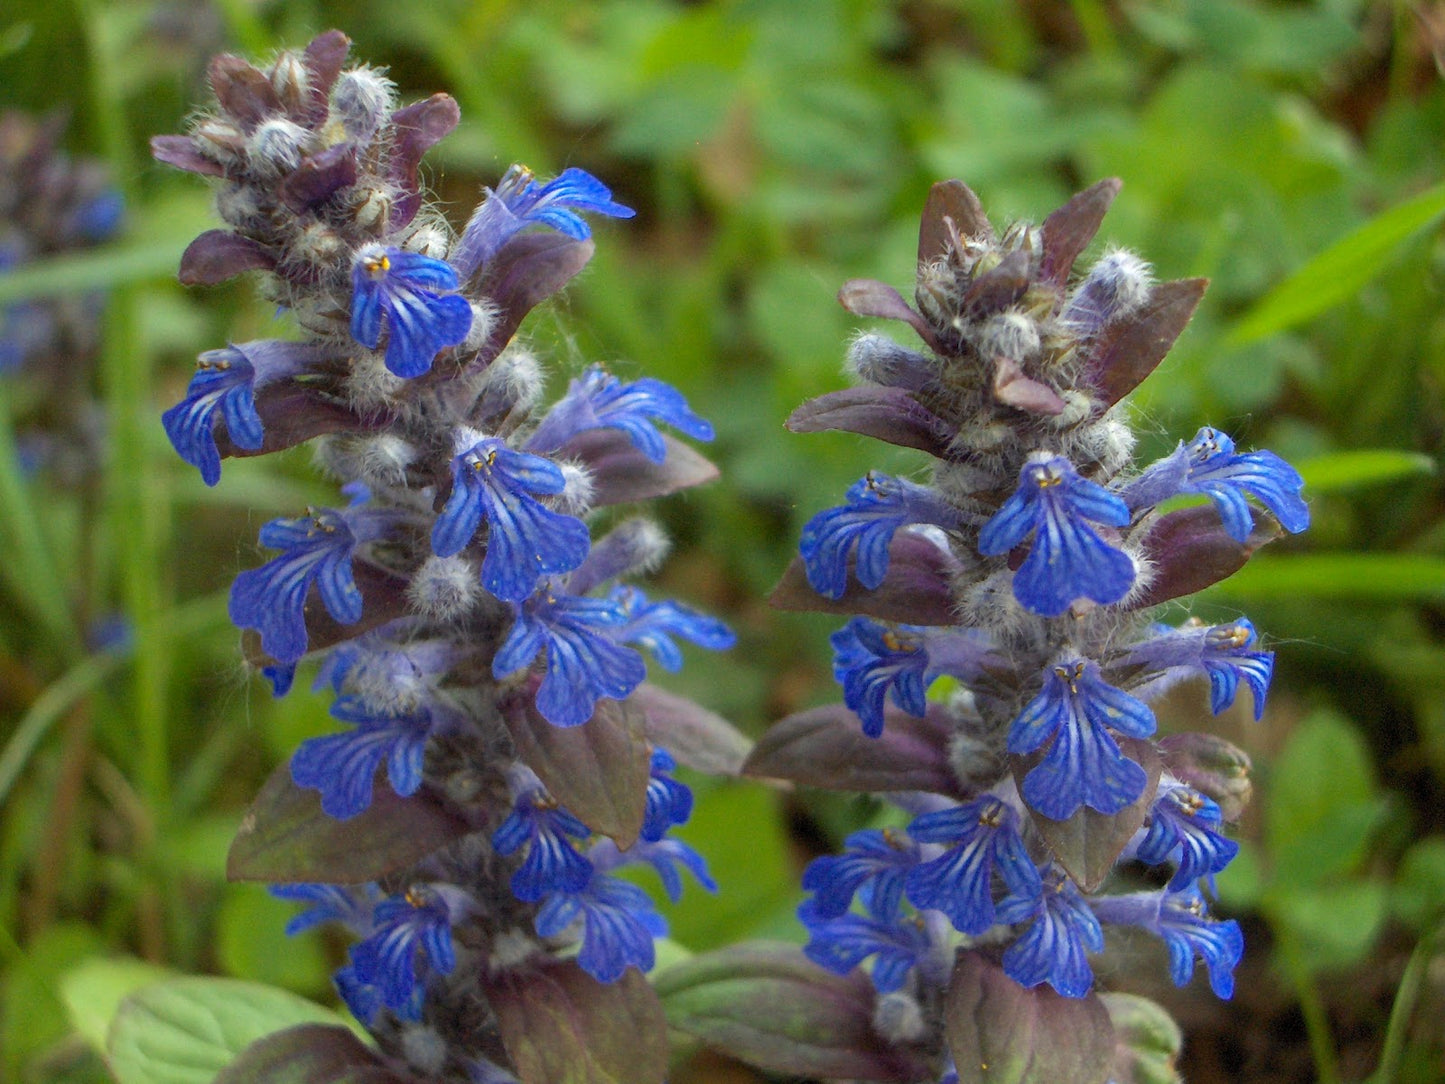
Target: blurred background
{"points": [[1290, 151]]}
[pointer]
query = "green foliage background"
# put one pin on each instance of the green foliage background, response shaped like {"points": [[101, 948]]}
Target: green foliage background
{"points": [[1292, 152]]}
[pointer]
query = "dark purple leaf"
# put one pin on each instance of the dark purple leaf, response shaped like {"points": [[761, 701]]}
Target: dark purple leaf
{"points": [[218, 255], [418, 126], [528, 270], [1068, 231], [1088, 843], [384, 593], [915, 591], [622, 474], [999, 287], [826, 747], [293, 412], [1001, 1033], [310, 1054], [318, 177], [598, 770], [697, 737], [1130, 348], [1189, 550], [561, 1026], [180, 151], [952, 208], [768, 1005], [866, 297], [1012, 388], [324, 57], [285, 837], [243, 91], [888, 414]]}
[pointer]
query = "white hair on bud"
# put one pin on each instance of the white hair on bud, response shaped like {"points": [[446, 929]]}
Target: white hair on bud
{"points": [[444, 588], [1009, 334], [424, 1049], [484, 320], [511, 948], [899, 1018], [380, 461], [1117, 285], [290, 80], [645, 543], [879, 359], [370, 383], [319, 245], [576, 497], [276, 146], [360, 101], [428, 240], [516, 377], [237, 204], [220, 139]]}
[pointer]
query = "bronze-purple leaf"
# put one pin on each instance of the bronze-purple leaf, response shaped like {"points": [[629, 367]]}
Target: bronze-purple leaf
{"points": [[950, 202], [418, 127], [768, 1005], [530, 268], [1130, 348], [598, 771], [999, 287], [180, 151], [867, 297], [561, 1026], [888, 414], [324, 56], [1012, 388], [218, 255], [826, 747], [310, 1054], [243, 91], [1001, 1033], [1068, 231], [293, 412], [1190, 550], [319, 177], [622, 474], [698, 738], [915, 591], [1089, 842], [285, 836]]}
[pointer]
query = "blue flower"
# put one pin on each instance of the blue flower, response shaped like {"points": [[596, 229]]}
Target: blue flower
{"points": [[598, 400], [984, 838], [1185, 827], [343, 766], [402, 926], [525, 539], [1084, 765], [583, 662], [404, 287], [364, 1000], [618, 926], [350, 905], [898, 945], [663, 855], [872, 662], [878, 505], [668, 802], [1224, 652], [316, 549], [1068, 560], [653, 625], [1182, 921], [552, 863], [227, 380], [874, 863], [520, 201], [1053, 949]]}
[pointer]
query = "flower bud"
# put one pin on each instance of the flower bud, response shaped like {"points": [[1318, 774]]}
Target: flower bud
{"points": [[444, 588], [881, 360], [290, 81], [220, 139], [360, 101], [276, 146]]}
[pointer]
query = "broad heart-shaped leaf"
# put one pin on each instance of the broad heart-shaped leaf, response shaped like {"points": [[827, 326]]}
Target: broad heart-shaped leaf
{"points": [[285, 837], [186, 1030], [770, 1006], [1068, 231], [622, 474], [701, 739], [310, 1054], [826, 747], [1130, 348], [915, 591], [950, 202], [598, 770], [1087, 844], [1002, 1033], [1190, 550], [561, 1026], [888, 414]]}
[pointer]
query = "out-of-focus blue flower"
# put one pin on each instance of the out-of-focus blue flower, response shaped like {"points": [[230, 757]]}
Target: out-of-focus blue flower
{"points": [[519, 201], [552, 863], [898, 945], [1182, 921], [618, 926], [1053, 949], [668, 802], [1185, 827], [983, 837], [598, 400], [227, 380], [343, 766], [407, 293], [1084, 766], [873, 864], [584, 663], [351, 905], [878, 505], [525, 539], [364, 1000], [1067, 560], [402, 926], [663, 855], [654, 624], [872, 662]]}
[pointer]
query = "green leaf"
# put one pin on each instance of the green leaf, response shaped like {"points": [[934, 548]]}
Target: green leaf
{"points": [[1336, 924], [1382, 577], [251, 942], [187, 1030], [1336, 273], [1148, 1040], [1419, 895], [1335, 471], [93, 990], [98, 269]]}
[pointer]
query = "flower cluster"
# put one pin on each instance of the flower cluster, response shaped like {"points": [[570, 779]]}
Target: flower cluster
{"points": [[1024, 569], [500, 754]]}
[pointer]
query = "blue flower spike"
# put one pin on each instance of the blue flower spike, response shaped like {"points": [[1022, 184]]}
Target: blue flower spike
{"points": [[668, 802], [1181, 919], [654, 624], [1185, 828], [898, 945], [1228, 658], [598, 400], [409, 295], [875, 864]]}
